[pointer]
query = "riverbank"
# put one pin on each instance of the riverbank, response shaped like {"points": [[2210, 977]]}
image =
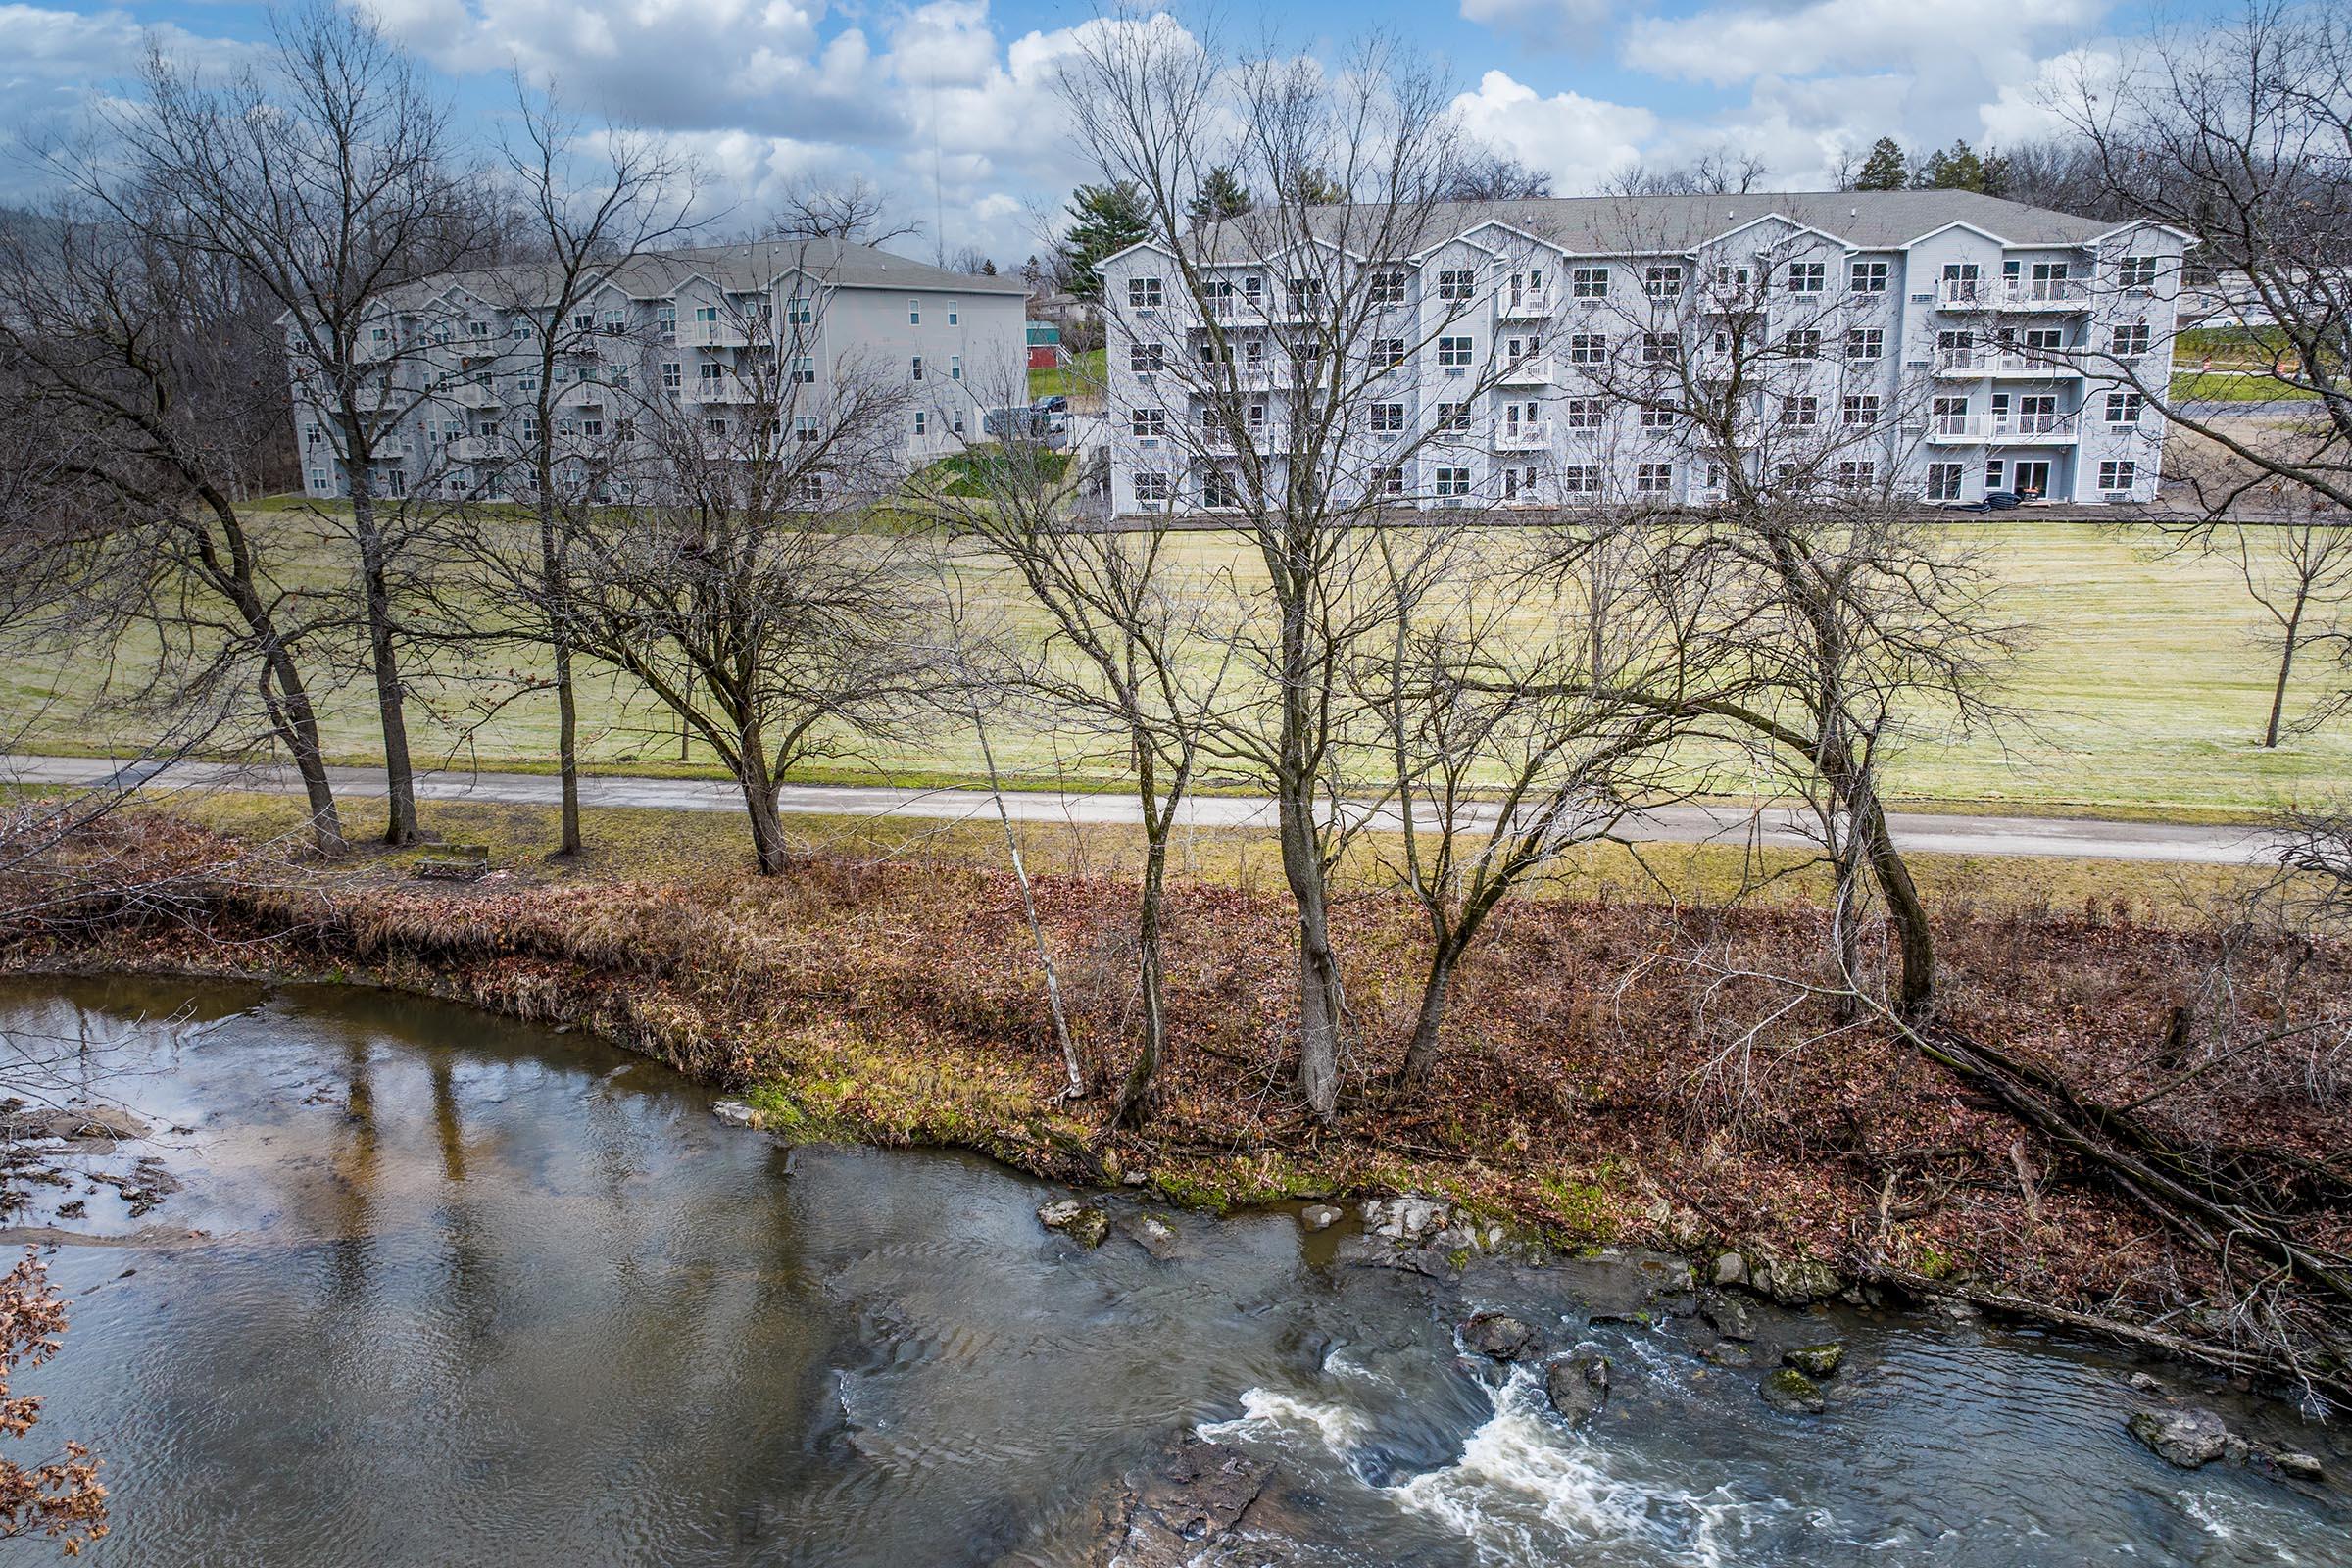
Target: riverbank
{"points": [[1621, 1071]]}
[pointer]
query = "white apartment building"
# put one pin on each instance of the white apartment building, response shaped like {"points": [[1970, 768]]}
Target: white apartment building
{"points": [[460, 393], [1978, 342]]}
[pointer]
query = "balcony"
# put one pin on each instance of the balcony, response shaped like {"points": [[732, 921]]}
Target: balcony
{"points": [[1987, 429], [476, 449], [1523, 435], [719, 334], [473, 395], [1529, 370], [1523, 304], [1992, 361], [2013, 294]]}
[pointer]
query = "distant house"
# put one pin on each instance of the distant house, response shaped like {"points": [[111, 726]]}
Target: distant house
{"points": [[1044, 345]]}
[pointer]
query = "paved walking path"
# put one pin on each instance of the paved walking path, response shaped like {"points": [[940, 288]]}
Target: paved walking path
{"points": [[1942, 833]]}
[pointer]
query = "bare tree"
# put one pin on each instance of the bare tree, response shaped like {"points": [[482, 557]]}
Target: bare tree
{"points": [[326, 179], [750, 587], [2299, 573], [1494, 175], [1130, 661], [593, 215], [1268, 413], [855, 211], [1722, 172], [2240, 135], [130, 406]]}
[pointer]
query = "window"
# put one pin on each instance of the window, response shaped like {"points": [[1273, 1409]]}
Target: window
{"points": [[614, 324], [1387, 353], [707, 318], [1802, 345], [1453, 353], [954, 314], [1809, 277], [1148, 424], [2114, 475], [1653, 478], [1996, 471], [956, 422], [1143, 359], [1734, 278], [1657, 418], [1862, 409], [914, 312], [521, 331], [592, 427], [1520, 480], [1217, 489], [585, 322], [809, 487], [1456, 283], [1388, 286], [1661, 348], [1945, 480], [2123, 408], [1865, 343], [666, 322], [1662, 283], [1454, 417], [1387, 418], [805, 427], [803, 371], [1151, 488], [1588, 348], [1857, 475], [1581, 414], [2136, 271], [1588, 282], [716, 426], [712, 373], [1802, 411], [1144, 293], [1453, 481], [914, 364], [2128, 339], [922, 421], [379, 334], [1388, 479], [955, 366], [311, 435], [797, 312], [318, 480], [1581, 479], [1307, 295], [1867, 277]]}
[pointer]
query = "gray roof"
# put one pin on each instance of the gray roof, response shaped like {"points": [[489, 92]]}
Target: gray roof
{"points": [[741, 266], [1868, 219]]}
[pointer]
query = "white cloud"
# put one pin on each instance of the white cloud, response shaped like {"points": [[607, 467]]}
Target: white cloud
{"points": [[2024, 110], [1738, 43], [1578, 142]]}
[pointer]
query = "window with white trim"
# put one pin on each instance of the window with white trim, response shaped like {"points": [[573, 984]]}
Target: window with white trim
{"points": [[1388, 479], [2128, 339], [1809, 277], [1387, 418], [1803, 344], [1144, 293], [2118, 474], [1147, 423], [2124, 407], [1588, 348], [1146, 359], [1581, 414], [922, 421], [1455, 353], [805, 428], [1387, 285], [915, 365], [1865, 343], [1456, 283], [1945, 480], [803, 369], [954, 366], [1579, 478], [914, 312], [1663, 281], [1657, 418], [1861, 410], [1452, 419], [1452, 481], [1653, 478], [1857, 474], [1661, 348], [1996, 473], [1866, 277], [1387, 353], [1151, 488], [2135, 273], [1588, 282], [1800, 411]]}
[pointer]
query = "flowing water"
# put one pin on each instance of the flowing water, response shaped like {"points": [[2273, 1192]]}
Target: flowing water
{"points": [[467, 1292]]}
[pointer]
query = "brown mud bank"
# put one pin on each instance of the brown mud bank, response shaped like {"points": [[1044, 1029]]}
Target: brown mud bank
{"points": [[1618, 1073]]}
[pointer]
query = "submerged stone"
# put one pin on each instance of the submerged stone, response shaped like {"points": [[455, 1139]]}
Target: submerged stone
{"points": [[1499, 1336], [1815, 1360], [2185, 1438], [1082, 1223], [1578, 1386], [1791, 1392], [1319, 1217], [1728, 1317]]}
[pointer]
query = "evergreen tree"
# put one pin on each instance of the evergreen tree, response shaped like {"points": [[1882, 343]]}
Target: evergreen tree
{"points": [[1883, 168], [1222, 195], [1961, 167], [1312, 188], [1104, 219]]}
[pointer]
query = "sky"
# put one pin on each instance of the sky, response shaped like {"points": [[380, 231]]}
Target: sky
{"points": [[947, 105]]}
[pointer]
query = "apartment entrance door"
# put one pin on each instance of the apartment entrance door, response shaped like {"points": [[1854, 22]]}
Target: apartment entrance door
{"points": [[2032, 479]]}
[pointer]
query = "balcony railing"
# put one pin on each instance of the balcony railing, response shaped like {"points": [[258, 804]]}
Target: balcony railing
{"points": [[2000, 362], [1523, 435], [1521, 304], [1947, 429], [1529, 370], [2012, 294]]}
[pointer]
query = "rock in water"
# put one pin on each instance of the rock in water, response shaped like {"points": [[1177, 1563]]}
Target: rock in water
{"points": [[1177, 1507], [1498, 1335], [1791, 1391], [1319, 1217], [1082, 1223], [1578, 1386], [1728, 1317], [1154, 1235], [2302, 1466], [1815, 1360], [735, 1114], [2185, 1438]]}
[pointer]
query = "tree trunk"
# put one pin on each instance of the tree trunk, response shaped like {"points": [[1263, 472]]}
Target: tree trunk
{"points": [[297, 726], [767, 827], [1915, 997], [2286, 664], [400, 824], [1321, 1003], [568, 755], [1421, 1053], [1139, 1094]]}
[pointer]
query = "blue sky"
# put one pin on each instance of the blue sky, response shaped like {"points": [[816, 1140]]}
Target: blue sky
{"points": [[765, 90]]}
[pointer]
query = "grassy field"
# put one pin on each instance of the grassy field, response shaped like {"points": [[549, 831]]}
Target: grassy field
{"points": [[2144, 693], [1080, 379]]}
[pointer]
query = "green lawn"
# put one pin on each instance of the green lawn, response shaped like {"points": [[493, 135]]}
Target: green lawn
{"points": [[2144, 693], [1078, 378]]}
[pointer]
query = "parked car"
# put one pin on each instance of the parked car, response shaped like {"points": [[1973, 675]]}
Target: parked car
{"points": [[1053, 403]]}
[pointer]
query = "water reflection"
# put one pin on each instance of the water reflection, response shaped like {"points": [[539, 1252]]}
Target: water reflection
{"points": [[477, 1292]]}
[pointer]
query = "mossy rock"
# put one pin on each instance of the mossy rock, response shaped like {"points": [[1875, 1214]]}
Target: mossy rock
{"points": [[1816, 1360], [1791, 1392]]}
